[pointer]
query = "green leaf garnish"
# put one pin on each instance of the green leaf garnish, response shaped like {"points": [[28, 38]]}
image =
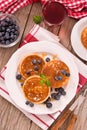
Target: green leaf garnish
{"points": [[44, 80], [48, 83], [43, 76], [37, 19]]}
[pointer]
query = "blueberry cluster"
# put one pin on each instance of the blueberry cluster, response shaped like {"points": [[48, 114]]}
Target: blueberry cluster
{"points": [[29, 103], [55, 95], [64, 72], [9, 31]]}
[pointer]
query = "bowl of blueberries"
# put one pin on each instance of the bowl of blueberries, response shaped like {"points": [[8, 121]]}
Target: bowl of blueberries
{"points": [[10, 31]]}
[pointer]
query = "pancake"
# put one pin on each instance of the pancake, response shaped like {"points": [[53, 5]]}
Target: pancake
{"points": [[84, 37], [31, 65], [34, 91], [57, 72]]}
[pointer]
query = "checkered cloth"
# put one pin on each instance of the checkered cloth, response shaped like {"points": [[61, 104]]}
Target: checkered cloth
{"points": [[76, 8]]}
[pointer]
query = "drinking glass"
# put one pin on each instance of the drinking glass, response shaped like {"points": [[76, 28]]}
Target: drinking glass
{"points": [[54, 13]]}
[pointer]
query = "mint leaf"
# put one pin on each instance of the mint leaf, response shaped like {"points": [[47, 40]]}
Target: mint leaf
{"points": [[43, 76], [42, 82], [37, 19], [48, 83]]}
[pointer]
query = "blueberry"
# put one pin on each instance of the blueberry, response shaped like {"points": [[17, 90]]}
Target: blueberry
{"points": [[7, 42], [22, 84], [3, 23], [18, 76], [53, 95], [27, 102], [68, 74], [47, 59], [62, 91], [7, 19], [63, 72], [16, 33], [28, 72], [39, 61], [7, 36], [3, 42], [12, 36], [16, 27], [31, 104], [47, 100], [48, 105], [58, 77], [57, 96], [0, 34], [8, 30], [34, 61], [3, 28], [57, 89], [36, 68]]}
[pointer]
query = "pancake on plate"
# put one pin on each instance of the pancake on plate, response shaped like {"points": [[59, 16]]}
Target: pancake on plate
{"points": [[84, 37], [34, 91], [57, 72], [31, 65]]}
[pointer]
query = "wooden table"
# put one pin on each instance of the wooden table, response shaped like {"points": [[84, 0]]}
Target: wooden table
{"points": [[10, 117]]}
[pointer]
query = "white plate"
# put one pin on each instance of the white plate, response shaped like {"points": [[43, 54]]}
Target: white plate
{"points": [[15, 90], [76, 43]]}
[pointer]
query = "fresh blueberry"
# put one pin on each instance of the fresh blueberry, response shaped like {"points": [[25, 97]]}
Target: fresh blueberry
{"points": [[53, 95], [63, 72], [62, 91], [18, 76], [31, 104], [57, 96], [68, 74], [28, 72], [27, 102], [34, 61], [39, 61], [48, 105], [36, 68], [7, 42], [47, 59], [58, 77], [47, 100]]}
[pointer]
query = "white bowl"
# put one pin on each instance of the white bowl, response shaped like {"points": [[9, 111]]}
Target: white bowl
{"points": [[9, 36]]}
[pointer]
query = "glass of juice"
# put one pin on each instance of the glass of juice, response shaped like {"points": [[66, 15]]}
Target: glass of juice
{"points": [[53, 12]]}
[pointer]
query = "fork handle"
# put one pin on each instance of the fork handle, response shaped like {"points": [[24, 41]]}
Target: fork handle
{"points": [[72, 122], [60, 122]]}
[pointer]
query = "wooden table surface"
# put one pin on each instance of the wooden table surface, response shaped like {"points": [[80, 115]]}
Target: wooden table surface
{"points": [[10, 117]]}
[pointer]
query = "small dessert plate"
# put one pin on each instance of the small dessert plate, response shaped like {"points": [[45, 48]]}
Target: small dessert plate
{"points": [[76, 43]]}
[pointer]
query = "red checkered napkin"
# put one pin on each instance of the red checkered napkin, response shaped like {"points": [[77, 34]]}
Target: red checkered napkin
{"points": [[10, 6], [76, 8], [38, 33]]}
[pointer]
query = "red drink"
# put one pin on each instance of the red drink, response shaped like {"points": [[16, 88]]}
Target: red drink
{"points": [[54, 12]]}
